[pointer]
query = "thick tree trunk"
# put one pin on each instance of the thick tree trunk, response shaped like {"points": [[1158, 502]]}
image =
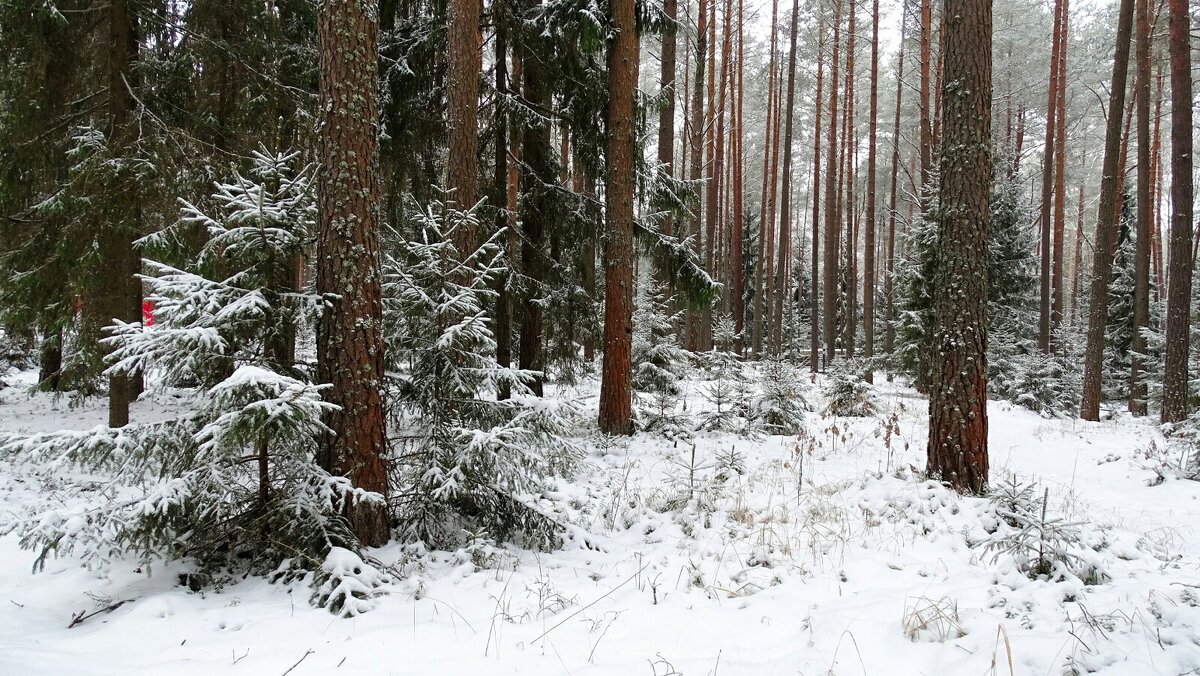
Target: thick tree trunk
{"points": [[119, 293], [462, 99], [958, 443], [1093, 360], [869, 239], [1141, 258], [1179, 272], [537, 180], [615, 390], [829, 274], [349, 337], [666, 114]]}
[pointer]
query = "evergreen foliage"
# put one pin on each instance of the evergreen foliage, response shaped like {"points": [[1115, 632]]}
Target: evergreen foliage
{"points": [[467, 461], [233, 484]]}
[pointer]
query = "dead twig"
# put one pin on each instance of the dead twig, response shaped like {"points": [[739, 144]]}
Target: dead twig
{"points": [[80, 617]]}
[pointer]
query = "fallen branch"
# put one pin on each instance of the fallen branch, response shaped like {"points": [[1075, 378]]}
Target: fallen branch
{"points": [[80, 618]]}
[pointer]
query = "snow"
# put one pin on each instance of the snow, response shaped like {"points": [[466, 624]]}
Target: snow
{"points": [[827, 555]]}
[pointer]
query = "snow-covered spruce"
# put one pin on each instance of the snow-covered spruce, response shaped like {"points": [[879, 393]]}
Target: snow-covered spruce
{"points": [[233, 486], [465, 458]]}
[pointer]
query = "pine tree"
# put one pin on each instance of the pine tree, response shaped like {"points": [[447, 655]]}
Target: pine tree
{"points": [[958, 444]]}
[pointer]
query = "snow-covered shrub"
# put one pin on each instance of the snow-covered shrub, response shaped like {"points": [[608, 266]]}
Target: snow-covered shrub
{"points": [[659, 364], [467, 460], [1039, 543], [847, 394], [780, 406], [347, 585], [234, 484], [728, 391], [1180, 456], [1048, 384]]}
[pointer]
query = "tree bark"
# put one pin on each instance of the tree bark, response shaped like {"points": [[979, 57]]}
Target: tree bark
{"points": [[695, 317], [814, 348], [829, 273], [761, 262], [1060, 193], [1179, 271], [782, 282], [537, 180], [349, 336], [1093, 362], [119, 293], [850, 145], [1047, 254], [462, 100], [738, 256], [958, 443], [615, 384], [869, 239], [1141, 258], [889, 293]]}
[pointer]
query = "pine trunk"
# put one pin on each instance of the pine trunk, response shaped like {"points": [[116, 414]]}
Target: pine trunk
{"points": [[889, 291], [829, 275], [615, 384], [737, 257], [537, 177], [119, 293], [462, 101], [1179, 273], [782, 282], [869, 239], [958, 443], [349, 337], [1060, 192], [1044, 248], [814, 348], [1106, 219], [695, 317], [1141, 258]]}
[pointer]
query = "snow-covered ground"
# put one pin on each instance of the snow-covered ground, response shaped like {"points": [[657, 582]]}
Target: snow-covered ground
{"points": [[821, 555]]}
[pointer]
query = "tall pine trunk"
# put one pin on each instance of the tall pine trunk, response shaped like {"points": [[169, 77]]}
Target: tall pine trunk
{"points": [[958, 443], [1047, 224], [694, 316], [785, 209], [1106, 218], [1060, 191], [1141, 257], [869, 239], [615, 383], [1179, 271], [119, 293], [829, 274], [349, 336], [814, 347], [889, 277], [537, 179], [462, 100]]}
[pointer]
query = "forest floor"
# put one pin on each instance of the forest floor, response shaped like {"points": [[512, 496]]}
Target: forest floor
{"points": [[823, 555]]}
